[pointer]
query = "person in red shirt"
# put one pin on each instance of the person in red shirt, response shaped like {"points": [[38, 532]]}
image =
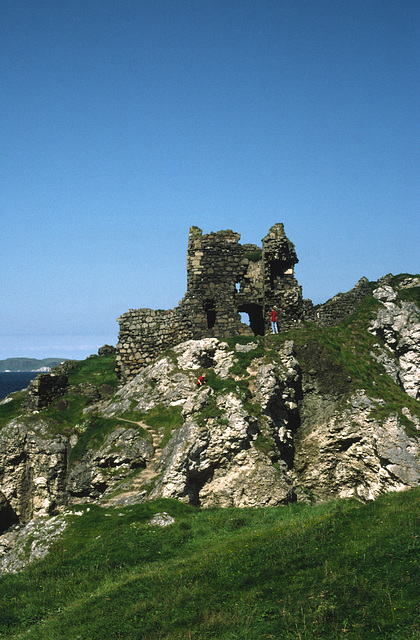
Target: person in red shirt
{"points": [[274, 321], [201, 380]]}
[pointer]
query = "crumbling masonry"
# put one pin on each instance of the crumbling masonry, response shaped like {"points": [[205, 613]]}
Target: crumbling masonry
{"points": [[224, 279]]}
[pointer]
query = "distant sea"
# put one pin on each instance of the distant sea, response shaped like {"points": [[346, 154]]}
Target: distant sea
{"points": [[15, 381]]}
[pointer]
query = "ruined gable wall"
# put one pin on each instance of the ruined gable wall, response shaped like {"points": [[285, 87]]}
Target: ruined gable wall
{"points": [[45, 388], [217, 268]]}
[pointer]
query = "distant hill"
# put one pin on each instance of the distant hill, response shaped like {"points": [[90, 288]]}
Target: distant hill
{"points": [[28, 364]]}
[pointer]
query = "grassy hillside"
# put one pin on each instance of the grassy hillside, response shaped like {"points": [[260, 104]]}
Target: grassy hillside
{"points": [[334, 571], [95, 370]]}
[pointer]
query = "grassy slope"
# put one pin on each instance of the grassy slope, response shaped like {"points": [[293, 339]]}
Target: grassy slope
{"points": [[339, 570], [96, 370]]}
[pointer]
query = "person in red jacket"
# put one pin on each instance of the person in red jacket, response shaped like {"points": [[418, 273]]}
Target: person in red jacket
{"points": [[201, 380], [274, 321]]}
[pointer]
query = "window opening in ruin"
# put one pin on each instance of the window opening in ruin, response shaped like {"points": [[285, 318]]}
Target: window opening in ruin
{"points": [[277, 269], [210, 309], [238, 287], [255, 317]]}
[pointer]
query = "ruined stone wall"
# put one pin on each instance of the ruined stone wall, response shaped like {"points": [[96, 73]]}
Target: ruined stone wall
{"points": [[280, 288], [147, 333], [218, 279], [43, 389], [340, 306]]}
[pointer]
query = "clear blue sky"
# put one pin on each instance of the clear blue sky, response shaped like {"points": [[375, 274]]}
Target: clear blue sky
{"points": [[124, 122]]}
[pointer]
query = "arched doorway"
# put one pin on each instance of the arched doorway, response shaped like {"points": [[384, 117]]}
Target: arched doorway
{"points": [[256, 318]]}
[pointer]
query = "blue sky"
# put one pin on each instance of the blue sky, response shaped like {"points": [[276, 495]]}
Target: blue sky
{"points": [[125, 122]]}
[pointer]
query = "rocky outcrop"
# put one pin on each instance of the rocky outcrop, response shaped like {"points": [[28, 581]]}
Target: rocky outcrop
{"points": [[22, 545], [99, 471], [33, 469], [292, 438], [276, 422], [398, 325], [268, 435], [351, 454]]}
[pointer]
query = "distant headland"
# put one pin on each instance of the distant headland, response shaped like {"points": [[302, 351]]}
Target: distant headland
{"points": [[29, 364]]}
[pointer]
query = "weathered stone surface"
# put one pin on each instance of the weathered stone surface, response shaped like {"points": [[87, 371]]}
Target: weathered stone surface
{"points": [[16, 554], [353, 455], [33, 468], [43, 389], [398, 324], [248, 480], [162, 520], [99, 471], [8, 516], [107, 350], [206, 353]]}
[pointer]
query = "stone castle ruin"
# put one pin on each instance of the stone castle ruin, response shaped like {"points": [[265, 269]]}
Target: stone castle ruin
{"points": [[224, 279]]}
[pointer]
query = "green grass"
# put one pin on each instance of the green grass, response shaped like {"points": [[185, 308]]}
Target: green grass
{"points": [[410, 295], [336, 571], [11, 409], [224, 386], [62, 421], [160, 418], [97, 370], [66, 412], [93, 433], [254, 256], [264, 443]]}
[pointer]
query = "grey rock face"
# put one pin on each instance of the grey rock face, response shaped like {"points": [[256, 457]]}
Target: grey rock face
{"points": [[16, 554], [205, 353], [218, 461], [398, 324], [162, 520], [33, 469], [199, 452], [353, 455], [97, 473]]}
